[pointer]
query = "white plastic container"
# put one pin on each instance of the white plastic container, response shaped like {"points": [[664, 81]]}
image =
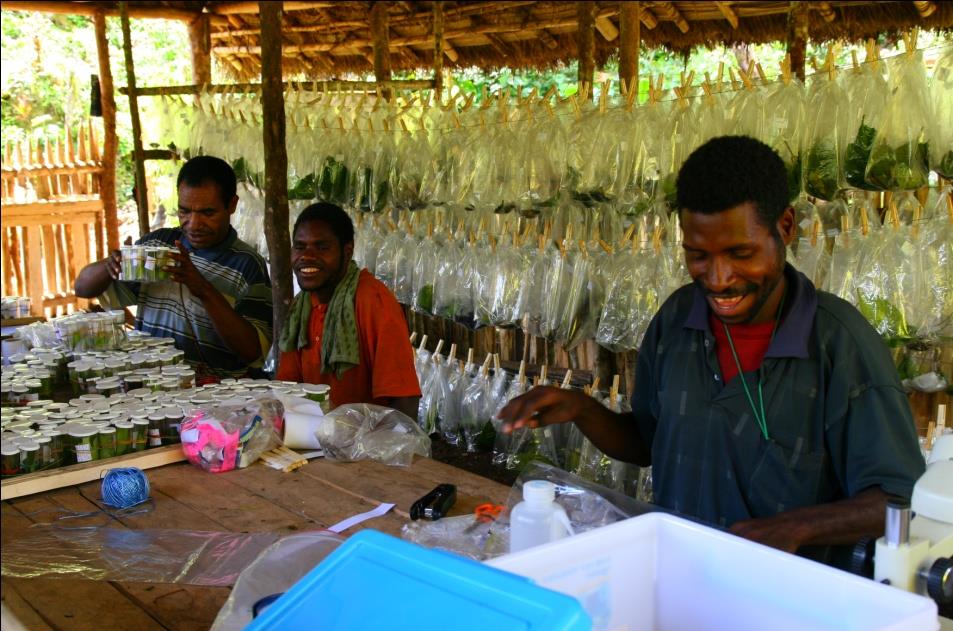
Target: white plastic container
{"points": [[658, 572], [538, 519]]}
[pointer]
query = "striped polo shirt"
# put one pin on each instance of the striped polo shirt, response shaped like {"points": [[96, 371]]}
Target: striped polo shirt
{"points": [[168, 309]]}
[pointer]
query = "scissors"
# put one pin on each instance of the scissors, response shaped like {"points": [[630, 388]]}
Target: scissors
{"points": [[488, 512], [484, 514]]}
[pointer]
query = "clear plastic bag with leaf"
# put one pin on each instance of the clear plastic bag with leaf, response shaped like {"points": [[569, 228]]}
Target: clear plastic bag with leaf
{"points": [[878, 280], [544, 157], [899, 156], [941, 138], [813, 260], [451, 290], [565, 294], [433, 393], [425, 274], [825, 139], [867, 90], [928, 282], [784, 127], [625, 281], [459, 376], [476, 411], [505, 275]]}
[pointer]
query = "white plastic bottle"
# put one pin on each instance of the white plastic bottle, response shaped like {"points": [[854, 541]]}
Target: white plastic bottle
{"points": [[538, 519]]}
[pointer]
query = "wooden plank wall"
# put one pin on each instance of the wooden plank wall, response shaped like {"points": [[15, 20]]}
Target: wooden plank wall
{"points": [[53, 218]]}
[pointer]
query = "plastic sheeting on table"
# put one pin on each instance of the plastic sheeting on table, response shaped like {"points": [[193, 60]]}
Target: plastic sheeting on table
{"points": [[118, 554]]}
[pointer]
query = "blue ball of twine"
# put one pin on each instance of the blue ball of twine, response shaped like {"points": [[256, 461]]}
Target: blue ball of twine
{"points": [[125, 487]]}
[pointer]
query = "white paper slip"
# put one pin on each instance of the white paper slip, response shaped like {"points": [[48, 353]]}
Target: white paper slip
{"points": [[341, 526]]}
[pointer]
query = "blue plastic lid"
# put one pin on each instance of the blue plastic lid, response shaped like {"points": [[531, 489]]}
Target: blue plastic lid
{"points": [[374, 581]]}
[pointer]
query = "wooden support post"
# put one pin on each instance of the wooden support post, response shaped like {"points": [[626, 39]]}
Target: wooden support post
{"points": [[630, 40], [107, 186], [276, 164], [798, 28], [438, 47], [142, 198], [200, 43], [380, 38], [585, 37]]}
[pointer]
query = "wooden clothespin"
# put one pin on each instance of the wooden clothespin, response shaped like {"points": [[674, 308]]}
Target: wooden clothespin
{"points": [[786, 69], [485, 369], [567, 379]]}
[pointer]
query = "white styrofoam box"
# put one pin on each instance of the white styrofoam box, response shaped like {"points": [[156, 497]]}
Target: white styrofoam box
{"points": [[662, 573]]}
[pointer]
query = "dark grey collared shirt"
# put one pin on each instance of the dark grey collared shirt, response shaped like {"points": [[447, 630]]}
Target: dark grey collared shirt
{"points": [[837, 417]]}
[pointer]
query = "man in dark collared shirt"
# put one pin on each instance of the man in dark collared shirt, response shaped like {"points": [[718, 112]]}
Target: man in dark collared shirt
{"points": [[762, 404]]}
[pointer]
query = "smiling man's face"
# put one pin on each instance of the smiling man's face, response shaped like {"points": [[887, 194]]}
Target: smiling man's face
{"points": [[737, 261], [318, 258]]}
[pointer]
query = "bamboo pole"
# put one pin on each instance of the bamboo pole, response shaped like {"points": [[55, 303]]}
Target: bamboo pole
{"points": [[586, 41], [630, 40], [200, 45], [798, 30], [438, 47], [380, 39], [107, 183], [315, 86], [142, 197], [276, 165]]}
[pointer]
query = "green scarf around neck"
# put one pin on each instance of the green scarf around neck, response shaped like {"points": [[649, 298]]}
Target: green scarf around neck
{"points": [[340, 350]]}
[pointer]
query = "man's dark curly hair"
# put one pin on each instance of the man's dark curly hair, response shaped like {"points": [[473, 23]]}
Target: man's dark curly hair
{"points": [[331, 214], [731, 170], [202, 169]]}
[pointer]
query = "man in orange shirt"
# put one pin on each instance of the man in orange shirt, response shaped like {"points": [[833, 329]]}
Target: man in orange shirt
{"points": [[346, 328]]}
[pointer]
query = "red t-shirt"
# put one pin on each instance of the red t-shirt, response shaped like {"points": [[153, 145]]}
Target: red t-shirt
{"points": [[387, 358], [751, 343]]}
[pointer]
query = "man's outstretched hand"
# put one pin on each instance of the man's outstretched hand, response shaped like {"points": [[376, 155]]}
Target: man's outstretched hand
{"points": [[547, 405]]}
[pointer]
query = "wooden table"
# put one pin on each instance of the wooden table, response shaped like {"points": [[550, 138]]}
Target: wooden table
{"points": [[256, 499]]}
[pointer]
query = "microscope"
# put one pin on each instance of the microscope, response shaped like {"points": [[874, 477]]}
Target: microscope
{"points": [[916, 551]]}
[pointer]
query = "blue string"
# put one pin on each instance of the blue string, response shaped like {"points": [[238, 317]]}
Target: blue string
{"points": [[125, 487]]}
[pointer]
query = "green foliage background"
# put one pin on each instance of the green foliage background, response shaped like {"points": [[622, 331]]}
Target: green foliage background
{"points": [[46, 62]]}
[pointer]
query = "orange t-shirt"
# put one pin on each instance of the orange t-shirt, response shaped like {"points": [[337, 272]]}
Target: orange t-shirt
{"points": [[387, 358]]}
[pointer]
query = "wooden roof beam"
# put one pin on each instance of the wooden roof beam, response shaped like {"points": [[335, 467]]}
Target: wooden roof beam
{"points": [[826, 11], [498, 44], [547, 39], [648, 18], [670, 12], [448, 50], [336, 27], [107, 8], [237, 8], [728, 12], [608, 30]]}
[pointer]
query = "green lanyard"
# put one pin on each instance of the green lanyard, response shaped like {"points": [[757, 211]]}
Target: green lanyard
{"points": [[762, 418]]}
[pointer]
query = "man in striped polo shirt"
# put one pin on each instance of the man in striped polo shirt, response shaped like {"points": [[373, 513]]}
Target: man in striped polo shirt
{"points": [[217, 304]]}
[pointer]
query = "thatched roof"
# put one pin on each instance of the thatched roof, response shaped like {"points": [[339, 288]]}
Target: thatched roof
{"points": [[334, 37], [327, 39]]}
